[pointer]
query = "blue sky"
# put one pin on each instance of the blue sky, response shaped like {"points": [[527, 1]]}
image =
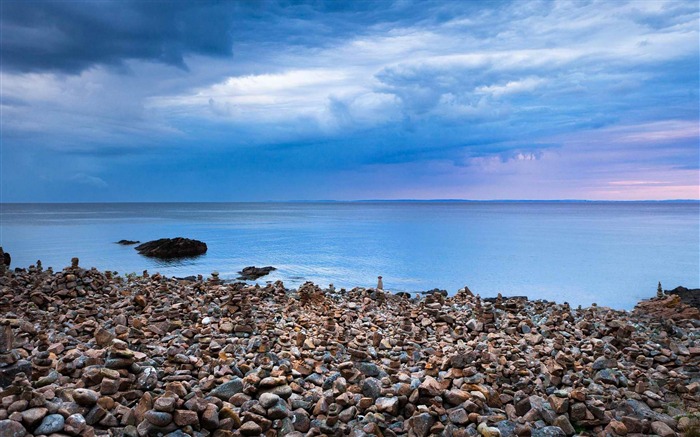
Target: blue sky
{"points": [[241, 101]]}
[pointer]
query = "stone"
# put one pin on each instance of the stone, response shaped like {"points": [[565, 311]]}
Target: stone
{"points": [[456, 396], [661, 429], [228, 389], [278, 411], [33, 416], [372, 388], [548, 431], [388, 405], [103, 337], [252, 273], [165, 403], [459, 416], [564, 424], [250, 428], [51, 424], [168, 248], [10, 428], [185, 417], [420, 424], [488, 431], [368, 369], [618, 427], [8, 373], [159, 418], [267, 400], [210, 417], [147, 379], [75, 424]]}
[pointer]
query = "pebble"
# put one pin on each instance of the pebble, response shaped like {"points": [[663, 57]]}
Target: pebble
{"points": [[150, 355], [51, 423]]}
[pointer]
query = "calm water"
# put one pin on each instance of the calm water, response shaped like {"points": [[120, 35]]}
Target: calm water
{"points": [[609, 253]]}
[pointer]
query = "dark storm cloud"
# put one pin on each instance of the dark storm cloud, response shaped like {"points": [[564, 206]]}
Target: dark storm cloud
{"points": [[71, 36]]}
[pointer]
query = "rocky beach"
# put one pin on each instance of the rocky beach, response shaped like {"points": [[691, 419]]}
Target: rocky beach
{"points": [[91, 353]]}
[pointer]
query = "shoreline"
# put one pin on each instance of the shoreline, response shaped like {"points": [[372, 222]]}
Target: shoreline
{"points": [[83, 352]]}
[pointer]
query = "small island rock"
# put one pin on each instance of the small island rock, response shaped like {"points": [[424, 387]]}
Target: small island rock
{"points": [[252, 273], [167, 248]]}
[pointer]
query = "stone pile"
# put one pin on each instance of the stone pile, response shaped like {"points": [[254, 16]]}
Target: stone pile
{"points": [[97, 354]]}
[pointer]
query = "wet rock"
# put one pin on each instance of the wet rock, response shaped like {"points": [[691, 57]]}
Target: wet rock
{"points": [[167, 248], [252, 273], [127, 242]]}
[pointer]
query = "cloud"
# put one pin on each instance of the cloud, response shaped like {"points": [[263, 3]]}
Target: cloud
{"points": [[539, 98], [67, 36], [86, 179]]}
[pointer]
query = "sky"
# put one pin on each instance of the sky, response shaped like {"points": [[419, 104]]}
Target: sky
{"points": [[291, 100]]}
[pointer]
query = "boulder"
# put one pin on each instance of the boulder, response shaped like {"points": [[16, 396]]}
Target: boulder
{"points": [[252, 273], [127, 242], [167, 248]]}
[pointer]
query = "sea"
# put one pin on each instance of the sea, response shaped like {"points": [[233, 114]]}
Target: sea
{"points": [[609, 253]]}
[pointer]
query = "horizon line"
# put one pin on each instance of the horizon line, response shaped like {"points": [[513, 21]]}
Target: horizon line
{"points": [[438, 200]]}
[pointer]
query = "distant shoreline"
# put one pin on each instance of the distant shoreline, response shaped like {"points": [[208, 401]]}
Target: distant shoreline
{"points": [[360, 201]]}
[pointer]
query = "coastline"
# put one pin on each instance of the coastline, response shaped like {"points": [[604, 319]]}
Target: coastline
{"points": [[150, 355]]}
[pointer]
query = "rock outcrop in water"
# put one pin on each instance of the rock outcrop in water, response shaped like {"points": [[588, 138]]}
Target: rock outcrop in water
{"points": [[252, 273], [127, 242], [168, 248], [150, 356]]}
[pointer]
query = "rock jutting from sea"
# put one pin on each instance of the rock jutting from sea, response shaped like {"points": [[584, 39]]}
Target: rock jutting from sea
{"points": [[169, 248], [84, 353]]}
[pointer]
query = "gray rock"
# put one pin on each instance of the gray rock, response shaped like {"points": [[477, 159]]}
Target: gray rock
{"points": [[267, 400], [7, 374], [372, 388], [458, 416], [10, 428], [85, 397], [368, 369], [548, 431], [606, 376], [604, 363], [506, 427], [148, 378], [75, 424], [51, 424], [228, 389], [421, 424], [159, 418], [388, 405], [279, 410]]}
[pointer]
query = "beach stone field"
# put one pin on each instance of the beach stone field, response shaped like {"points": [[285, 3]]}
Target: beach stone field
{"points": [[91, 353]]}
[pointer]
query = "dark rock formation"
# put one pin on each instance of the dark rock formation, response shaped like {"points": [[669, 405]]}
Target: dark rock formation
{"points": [[127, 242], [5, 258], [168, 248], [252, 273], [689, 296]]}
